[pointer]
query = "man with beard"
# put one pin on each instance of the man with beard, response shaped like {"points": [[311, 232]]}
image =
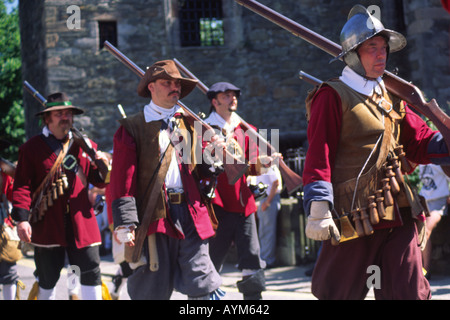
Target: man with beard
{"points": [[234, 205], [53, 176]]}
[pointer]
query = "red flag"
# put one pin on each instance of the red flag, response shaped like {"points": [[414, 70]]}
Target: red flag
{"points": [[446, 5]]}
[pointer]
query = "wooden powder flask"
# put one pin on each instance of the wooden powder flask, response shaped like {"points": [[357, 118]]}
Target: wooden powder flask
{"points": [[347, 230], [59, 185], [373, 212], [388, 199], [368, 230], [395, 188], [49, 198], [358, 225], [397, 170], [45, 203], [54, 191], [405, 165], [380, 203], [65, 181]]}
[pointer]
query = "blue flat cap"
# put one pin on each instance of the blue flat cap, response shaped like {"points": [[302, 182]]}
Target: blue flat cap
{"points": [[222, 87]]}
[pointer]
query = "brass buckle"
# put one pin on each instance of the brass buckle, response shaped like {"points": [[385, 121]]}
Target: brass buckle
{"points": [[175, 198], [383, 102]]}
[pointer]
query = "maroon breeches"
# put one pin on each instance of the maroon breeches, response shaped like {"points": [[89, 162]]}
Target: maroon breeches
{"points": [[390, 260]]}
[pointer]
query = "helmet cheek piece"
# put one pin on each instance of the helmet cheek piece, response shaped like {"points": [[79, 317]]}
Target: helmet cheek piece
{"points": [[357, 29], [352, 59]]}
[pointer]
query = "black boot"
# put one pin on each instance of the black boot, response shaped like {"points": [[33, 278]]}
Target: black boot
{"points": [[252, 286]]}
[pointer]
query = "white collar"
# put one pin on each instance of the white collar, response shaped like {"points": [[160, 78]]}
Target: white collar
{"points": [[361, 84], [153, 112], [215, 119]]}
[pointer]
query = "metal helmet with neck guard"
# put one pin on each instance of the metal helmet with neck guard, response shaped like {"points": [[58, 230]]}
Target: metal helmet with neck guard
{"points": [[361, 26]]}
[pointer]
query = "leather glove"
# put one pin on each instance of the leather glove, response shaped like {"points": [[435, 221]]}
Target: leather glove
{"points": [[320, 225]]}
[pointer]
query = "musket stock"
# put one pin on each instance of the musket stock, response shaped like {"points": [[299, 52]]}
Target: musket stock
{"points": [[291, 179], [396, 85], [80, 139], [233, 170]]}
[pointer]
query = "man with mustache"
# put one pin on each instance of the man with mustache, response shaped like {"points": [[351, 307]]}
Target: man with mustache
{"points": [[175, 250], [235, 205], [355, 132], [65, 222]]}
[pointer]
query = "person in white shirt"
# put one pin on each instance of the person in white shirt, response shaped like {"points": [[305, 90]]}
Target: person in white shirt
{"points": [[435, 190], [267, 213]]}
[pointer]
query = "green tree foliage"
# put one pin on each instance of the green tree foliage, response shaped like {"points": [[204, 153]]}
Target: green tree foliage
{"points": [[12, 118]]}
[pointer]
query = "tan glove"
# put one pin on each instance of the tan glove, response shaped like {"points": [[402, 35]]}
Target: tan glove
{"points": [[320, 225]]}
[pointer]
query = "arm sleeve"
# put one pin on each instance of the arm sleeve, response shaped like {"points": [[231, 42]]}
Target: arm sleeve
{"points": [[22, 193], [123, 179], [323, 132], [422, 145]]}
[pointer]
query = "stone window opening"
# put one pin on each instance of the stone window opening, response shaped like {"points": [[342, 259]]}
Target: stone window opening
{"points": [[107, 32], [201, 23]]}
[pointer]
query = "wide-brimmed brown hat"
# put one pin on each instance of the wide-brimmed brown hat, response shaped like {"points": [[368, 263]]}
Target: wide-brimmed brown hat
{"points": [[59, 101], [165, 69]]}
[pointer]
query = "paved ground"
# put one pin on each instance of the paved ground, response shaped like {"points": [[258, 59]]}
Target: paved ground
{"points": [[283, 283]]}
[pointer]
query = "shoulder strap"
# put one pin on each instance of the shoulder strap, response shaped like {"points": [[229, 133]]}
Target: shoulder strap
{"points": [[141, 231], [52, 171]]}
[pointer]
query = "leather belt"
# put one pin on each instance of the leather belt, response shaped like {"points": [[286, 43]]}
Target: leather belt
{"points": [[176, 198]]}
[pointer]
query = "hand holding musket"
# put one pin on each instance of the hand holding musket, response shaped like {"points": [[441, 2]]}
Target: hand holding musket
{"points": [[100, 162]]}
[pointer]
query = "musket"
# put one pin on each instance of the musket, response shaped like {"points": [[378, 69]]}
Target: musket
{"points": [[291, 179], [122, 112], [78, 137], [234, 170], [309, 78], [35, 93], [394, 84]]}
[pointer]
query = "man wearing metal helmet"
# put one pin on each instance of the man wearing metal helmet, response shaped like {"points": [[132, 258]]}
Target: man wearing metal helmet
{"points": [[358, 134]]}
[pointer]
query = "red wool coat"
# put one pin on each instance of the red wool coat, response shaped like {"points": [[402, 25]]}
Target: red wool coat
{"points": [[124, 179], [35, 161], [238, 197]]}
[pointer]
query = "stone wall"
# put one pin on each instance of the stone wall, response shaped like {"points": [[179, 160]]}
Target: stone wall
{"points": [[428, 26], [34, 58], [258, 56]]}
